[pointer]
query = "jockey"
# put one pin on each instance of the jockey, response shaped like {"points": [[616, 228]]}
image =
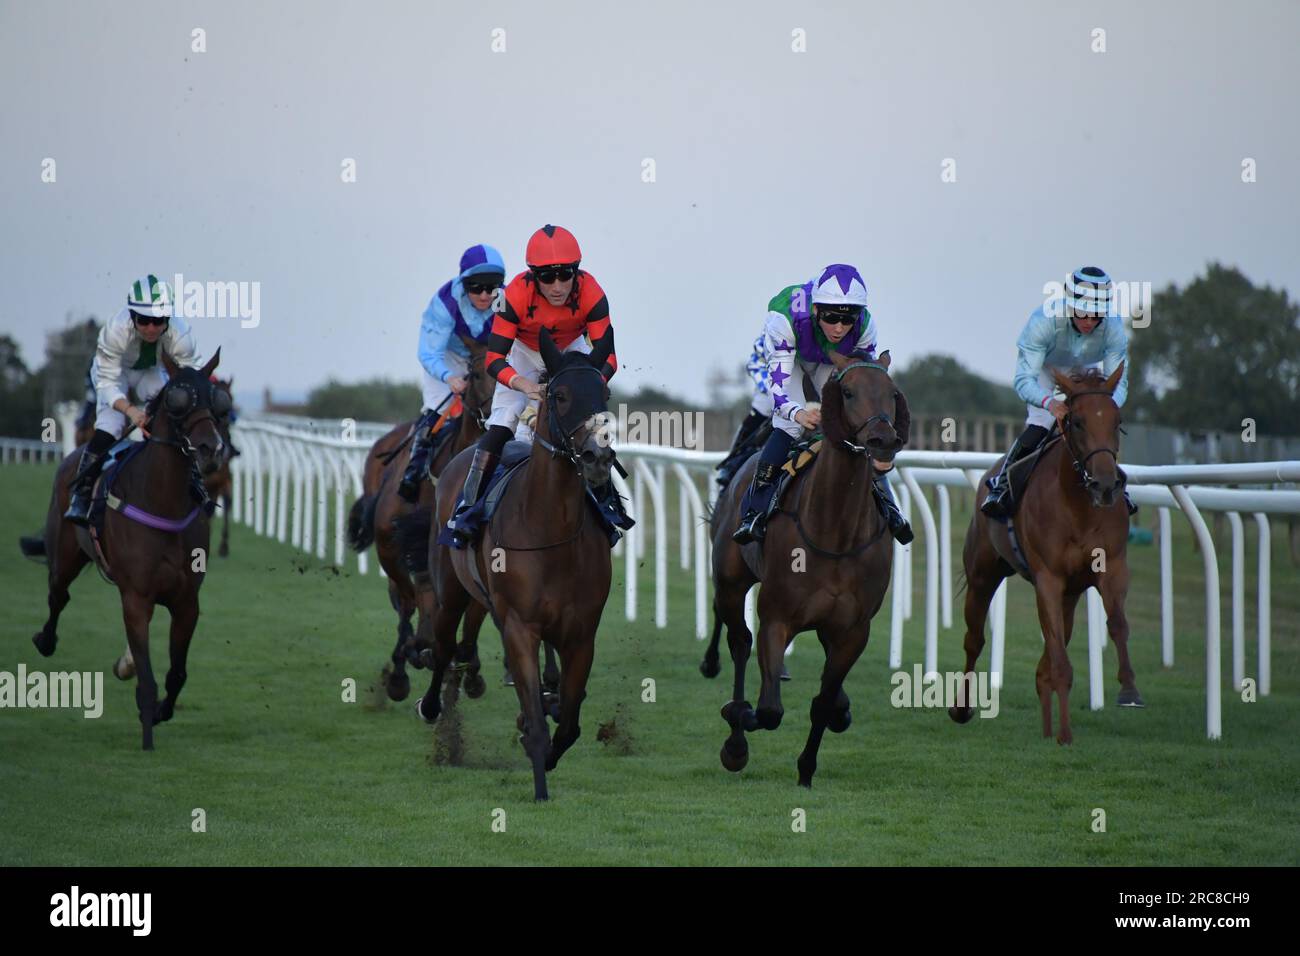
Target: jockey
{"points": [[1073, 332], [126, 360], [804, 322], [555, 294], [760, 410], [461, 309]]}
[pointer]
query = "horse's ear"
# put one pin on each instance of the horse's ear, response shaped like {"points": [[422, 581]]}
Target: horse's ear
{"points": [[170, 366], [604, 348], [551, 355], [838, 360], [1112, 383], [1063, 381], [883, 360], [208, 369]]}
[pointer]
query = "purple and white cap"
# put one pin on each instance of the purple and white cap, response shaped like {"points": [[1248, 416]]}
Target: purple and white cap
{"points": [[840, 284]]}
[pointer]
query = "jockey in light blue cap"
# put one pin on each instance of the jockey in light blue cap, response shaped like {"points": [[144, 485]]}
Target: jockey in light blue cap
{"points": [[1081, 330], [460, 311]]}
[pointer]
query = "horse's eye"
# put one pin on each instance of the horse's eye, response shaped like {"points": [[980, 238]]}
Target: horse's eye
{"points": [[848, 393]]}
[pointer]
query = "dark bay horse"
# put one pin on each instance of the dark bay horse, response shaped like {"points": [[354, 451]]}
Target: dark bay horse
{"points": [[376, 514], [824, 563], [1072, 519], [152, 541], [542, 565]]}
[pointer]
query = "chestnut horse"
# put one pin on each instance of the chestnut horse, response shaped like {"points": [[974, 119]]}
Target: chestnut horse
{"points": [[1072, 529], [824, 562], [542, 565], [150, 539], [374, 517]]}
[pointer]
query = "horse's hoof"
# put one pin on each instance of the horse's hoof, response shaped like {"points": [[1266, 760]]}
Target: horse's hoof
{"points": [[419, 712], [1065, 740], [475, 686], [735, 762], [123, 669], [961, 714], [425, 658], [769, 718], [839, 721], [44, 645], [710, 668], [398, 686], [551, 706], [1131, 698]]}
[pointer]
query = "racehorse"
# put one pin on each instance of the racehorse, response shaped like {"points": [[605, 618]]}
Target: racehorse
{"points": [[219, 483], [374, 517], [824, 563], [1071, 533], [154, 539], [542, 565]]}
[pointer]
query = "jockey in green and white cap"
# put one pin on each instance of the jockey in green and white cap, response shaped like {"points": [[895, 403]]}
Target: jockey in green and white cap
{"points": [[126, 362]]}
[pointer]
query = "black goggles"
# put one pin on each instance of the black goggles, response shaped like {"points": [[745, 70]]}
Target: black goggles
{"points": [[549, 274], [480, 285], [839, 315], [143, 319]]}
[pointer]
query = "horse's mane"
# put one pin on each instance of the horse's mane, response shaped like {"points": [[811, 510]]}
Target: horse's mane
{"points": [[1087, 376]]}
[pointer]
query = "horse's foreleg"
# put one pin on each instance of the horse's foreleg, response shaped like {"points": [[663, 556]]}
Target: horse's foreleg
{"points": [[137, 611], [773, 637], [1051, 618], [224, 549], [737, 712], [577, 657], [534, 734], [467, 651], [64, 568], [710, 666], [830, 708], [1114, 592], [184, 620]]}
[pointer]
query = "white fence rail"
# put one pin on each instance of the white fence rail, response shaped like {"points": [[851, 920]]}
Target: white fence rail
{"points": [[32, 450], [290, 469]]}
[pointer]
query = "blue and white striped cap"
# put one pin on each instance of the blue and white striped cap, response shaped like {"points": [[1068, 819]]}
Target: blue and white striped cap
{"points": [[149, 295], [1088, 291]]}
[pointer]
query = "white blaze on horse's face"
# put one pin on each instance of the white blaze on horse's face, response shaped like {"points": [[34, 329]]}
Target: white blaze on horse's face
{"points": [[600, 431]]}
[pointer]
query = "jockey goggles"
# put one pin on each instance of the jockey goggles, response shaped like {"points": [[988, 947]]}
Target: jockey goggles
{"points": [[546, 275]]}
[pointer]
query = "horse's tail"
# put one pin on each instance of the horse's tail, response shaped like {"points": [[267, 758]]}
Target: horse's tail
{"points": [[33, 547], [361, 523], [412, 533]]}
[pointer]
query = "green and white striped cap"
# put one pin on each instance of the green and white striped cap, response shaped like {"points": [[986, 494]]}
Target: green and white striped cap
{"points": [[149, 295]]}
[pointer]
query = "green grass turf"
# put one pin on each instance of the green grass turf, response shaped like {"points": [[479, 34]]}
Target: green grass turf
{"points": [[289, 774]]}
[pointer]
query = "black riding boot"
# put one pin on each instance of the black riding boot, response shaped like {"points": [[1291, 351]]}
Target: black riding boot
{"points": [[995, 505], [483, 465], [728, 467], [83, 484], [898, 526], [611, 503], [409, 488], [199, 491], [760, 496]]}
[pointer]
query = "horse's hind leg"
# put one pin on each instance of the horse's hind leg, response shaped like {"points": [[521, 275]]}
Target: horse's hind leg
{"points": [[65, 565], [137, 612], [573, 690], [830, 708], [710, 666], [396, 683], [985, 571], [442, 627], [467, 650], [1114, 591], [224, 550], [184, 620], [551, 684], [1051, 600]]}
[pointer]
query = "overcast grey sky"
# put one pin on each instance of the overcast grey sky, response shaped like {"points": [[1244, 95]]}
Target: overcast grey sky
{"points": [[769, 163]]}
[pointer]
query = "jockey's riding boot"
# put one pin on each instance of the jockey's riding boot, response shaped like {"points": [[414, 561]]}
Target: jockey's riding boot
{"points": [[199, 491], [611, 503], [995, 505], [484, 464], [898, 526], [83, 483], [409, 488], [759, 497]]}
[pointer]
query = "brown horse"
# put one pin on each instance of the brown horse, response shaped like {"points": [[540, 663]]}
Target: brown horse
{"points": [[1072, 529], [155, 538], [542, 565], [824, 563], [375, 518]]}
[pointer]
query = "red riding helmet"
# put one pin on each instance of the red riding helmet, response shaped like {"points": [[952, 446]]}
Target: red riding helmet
{"points": [[552, 246]]}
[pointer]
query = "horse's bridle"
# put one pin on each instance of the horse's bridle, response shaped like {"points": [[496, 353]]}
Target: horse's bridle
{"points": [[1081, 465], [178, 420], [838, 375], [565, 448]]}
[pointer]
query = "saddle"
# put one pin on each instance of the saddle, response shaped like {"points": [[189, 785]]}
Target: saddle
{"points": [[1018, 475]]}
